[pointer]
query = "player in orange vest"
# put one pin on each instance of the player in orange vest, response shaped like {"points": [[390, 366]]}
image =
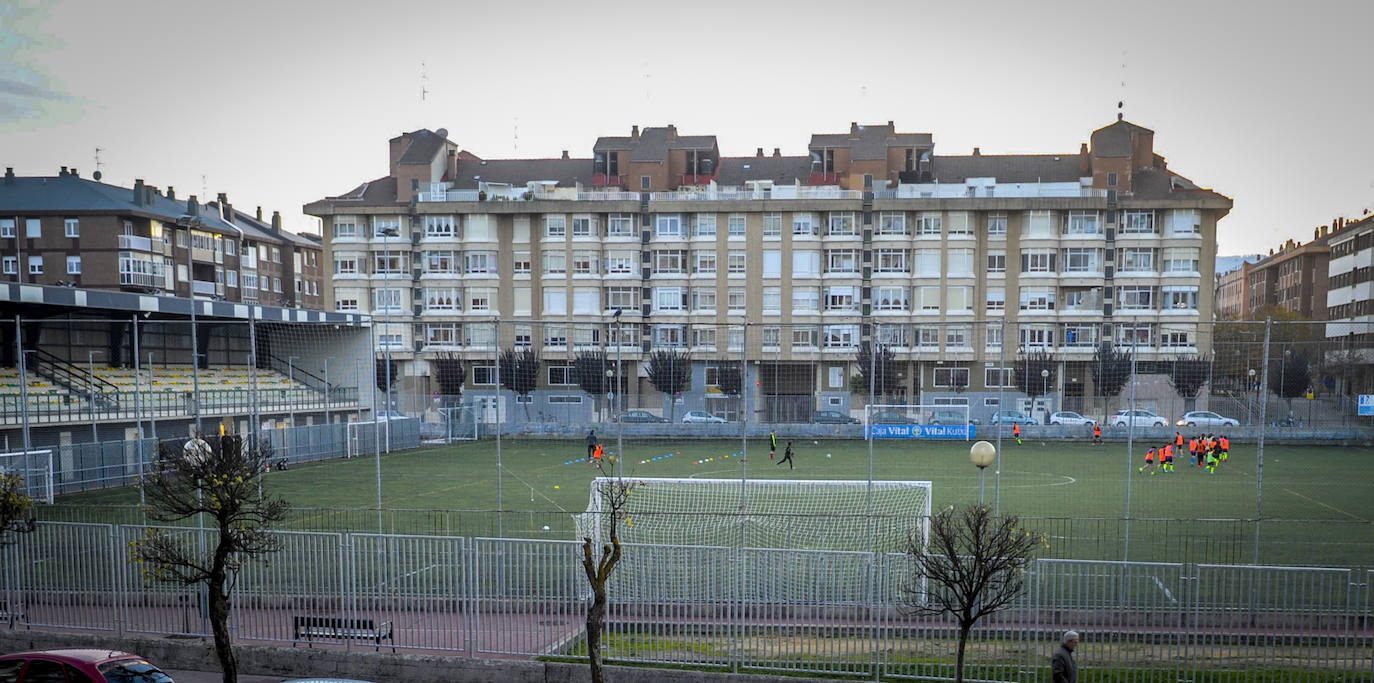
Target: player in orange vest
{"points": [[1097, 434], [1168, 463], [1016, 432], [596, 454], [1192, 451], [1149, 461], [1225, 447]]}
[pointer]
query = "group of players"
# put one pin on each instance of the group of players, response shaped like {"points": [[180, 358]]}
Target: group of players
{"points": [[1205, 451]]}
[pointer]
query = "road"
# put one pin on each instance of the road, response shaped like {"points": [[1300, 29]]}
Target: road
{"points": [[216, 677]]}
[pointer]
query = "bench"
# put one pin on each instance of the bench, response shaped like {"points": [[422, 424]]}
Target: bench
{"points": [[310, 628]]}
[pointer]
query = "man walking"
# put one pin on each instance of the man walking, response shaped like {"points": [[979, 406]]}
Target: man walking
{"points": [[1063, 668], [591, 445]]}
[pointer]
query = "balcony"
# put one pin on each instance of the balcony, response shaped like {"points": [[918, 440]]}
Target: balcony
{"points": [[823, 179], [149, 280], [607, 180], [696, 179], [134, 242], [202, 287]]}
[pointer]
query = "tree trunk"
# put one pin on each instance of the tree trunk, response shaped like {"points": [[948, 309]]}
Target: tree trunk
{"points": [[596, 619], [959, 656], [219, 615]]}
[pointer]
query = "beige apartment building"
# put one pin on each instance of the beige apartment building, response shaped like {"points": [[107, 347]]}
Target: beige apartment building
{"points": [[960, 264]]}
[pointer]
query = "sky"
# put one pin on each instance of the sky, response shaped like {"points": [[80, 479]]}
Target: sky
{"points": [[279, 104]]}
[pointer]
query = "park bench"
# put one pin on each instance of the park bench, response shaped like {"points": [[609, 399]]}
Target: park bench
{"points": [[311, 628]]}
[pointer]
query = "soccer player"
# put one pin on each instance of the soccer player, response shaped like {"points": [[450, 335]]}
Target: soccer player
{"points": [[1149, 461], [1192, 451], [1211, 461], [1178, 440], [787, 456], [772, 444], [1168, 463], [596, 454], [1225, 447], [1016, 432], [1097, 434]]}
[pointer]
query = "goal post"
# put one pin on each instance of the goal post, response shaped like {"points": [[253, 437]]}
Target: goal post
{"points": [[35, 467], [919, 421], [460, 423], [764, 513]]}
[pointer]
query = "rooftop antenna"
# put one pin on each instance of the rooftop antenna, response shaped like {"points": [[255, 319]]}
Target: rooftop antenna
{"points": [[515, 134], [1121, 103], [424, 82], [98, 163], [203, 192]]}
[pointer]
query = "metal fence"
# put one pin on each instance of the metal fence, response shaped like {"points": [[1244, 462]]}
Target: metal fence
{"points": [[799, 611]]}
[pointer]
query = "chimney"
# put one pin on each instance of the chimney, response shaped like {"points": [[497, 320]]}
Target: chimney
{"points": [[138, 192], [1085, 161], [9, 175], [565, 154], [853, 127], [777, 151], [890, 125], [760, 152], [74, 173], [634, 132], [192, 206], [171, 192], [63, 171], [148, 192], [259, 214], [276, 221], [977, 152]]}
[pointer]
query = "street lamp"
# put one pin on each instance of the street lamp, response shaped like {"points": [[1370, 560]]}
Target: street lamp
{"points": [[1249, 408], [1044, 386], [387, 234], [982, 453]]}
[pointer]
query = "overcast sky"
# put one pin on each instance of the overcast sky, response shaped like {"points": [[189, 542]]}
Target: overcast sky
{"points": [[281, 103]]}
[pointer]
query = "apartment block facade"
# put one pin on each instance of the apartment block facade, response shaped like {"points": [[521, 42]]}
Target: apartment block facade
{"points": [[957, 264], [78, 232], [1350, 284]]}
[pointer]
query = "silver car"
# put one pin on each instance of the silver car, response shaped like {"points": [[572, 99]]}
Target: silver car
{"points": [[1206, 418], [1138, 418], [1068, 417], [701, 417]]}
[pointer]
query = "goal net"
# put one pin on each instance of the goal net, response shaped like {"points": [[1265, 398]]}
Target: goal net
{"points": [[36, 469], [920, 420], [762, 513], [460, 423]]}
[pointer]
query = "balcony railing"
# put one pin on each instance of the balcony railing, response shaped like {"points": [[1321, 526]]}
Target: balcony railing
{"points": [[607, 180], [823, 179], [201, 287], [696, 178], [141, 279], [136, 243]]}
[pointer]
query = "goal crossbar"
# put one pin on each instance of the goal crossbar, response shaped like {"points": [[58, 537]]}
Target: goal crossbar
{"points": [[36, 469]]}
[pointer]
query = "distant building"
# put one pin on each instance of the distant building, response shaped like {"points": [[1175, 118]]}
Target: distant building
{"points": [[1292, 277], [1233, 293]]}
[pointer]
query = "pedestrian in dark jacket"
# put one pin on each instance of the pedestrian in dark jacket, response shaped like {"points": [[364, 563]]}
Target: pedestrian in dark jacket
{"points": [[591, 444], [1063, 668]]}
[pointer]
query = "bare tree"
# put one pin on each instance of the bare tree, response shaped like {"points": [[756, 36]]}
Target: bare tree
{"points": [[1111, 370], [615, 494], [16, 509], [449, 373], [882, 364], [670, 372], [1187, 375], [218, 478], [974, 566], [520, 372], [589, 367], [1026, 373]]}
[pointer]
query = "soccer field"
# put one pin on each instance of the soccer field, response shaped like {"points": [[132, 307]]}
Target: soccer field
{"points": [[1318, 502]]}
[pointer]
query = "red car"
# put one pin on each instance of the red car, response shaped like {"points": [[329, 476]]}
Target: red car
{"points": [[79, 666]]}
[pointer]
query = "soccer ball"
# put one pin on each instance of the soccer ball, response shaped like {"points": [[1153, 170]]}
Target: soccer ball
{"points": [[815, 443], [546, 527], [827, 455]]}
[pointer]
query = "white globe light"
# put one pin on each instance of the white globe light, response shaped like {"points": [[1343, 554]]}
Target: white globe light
{"points": [[982, 453]]}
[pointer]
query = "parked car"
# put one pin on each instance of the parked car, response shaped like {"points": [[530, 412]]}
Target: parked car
{"points": [[891, 417], [100, 666], [389, 415], [1137, 418], [1068, 417], [1012, 417], [701, 417], [633, 416], [950, 417], [1206, 418], [832, 417]]}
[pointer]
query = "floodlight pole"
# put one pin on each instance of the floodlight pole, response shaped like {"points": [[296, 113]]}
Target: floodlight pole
{"points": [[499, 500], [138, 412], [291, 388], [1259, 449], [23, 398], [195, 365], [327, 391], [152, 409], [1130, 445], [619, 403], [1001, 388], [90, 391]]}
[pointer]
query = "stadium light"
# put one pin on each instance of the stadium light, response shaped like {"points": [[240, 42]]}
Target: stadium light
{"points": [[982, 454]]}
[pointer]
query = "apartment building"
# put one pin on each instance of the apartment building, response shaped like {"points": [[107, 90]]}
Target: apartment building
{"points": [[959, 264], [78, 232], [1350, 284], [1233, 293]]}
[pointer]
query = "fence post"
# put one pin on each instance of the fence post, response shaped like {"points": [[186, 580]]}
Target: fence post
{"points": [[1259, 450]]}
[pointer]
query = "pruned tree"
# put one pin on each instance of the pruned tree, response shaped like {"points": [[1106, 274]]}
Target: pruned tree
{"points": [[879, 362], [449, 373], [615, 494], [590, 369], [974, 566], [218, 478], [1187, 375], [386, 374], [1027, 373], [16, 509], [1111, 370], [670, 372], [520, 372], [1290, 373]]}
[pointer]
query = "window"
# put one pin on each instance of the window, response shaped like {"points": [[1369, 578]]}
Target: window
{"points": [[735, 299], [891, 298], [806, 263], [841, 223], [585, 337], [441, 299], [804, 337], [583, 226], [806, 300], [703, 298], [620, 225], [1081, 299], [520, 262], [1176, 297], [670, 298], [1037, 337], [555, 300], [35, 265], [33, 228], [1133, 335], [996, 299], [1174, 338], [992, 335], [7, 227], [997, 225], [960, 263], [445, 262], [1135, 259], [892, 261], [276, 255], [229, 251], [440, 226], [1037, 260], [1181, 260], [443, 334], [74, 265], [339, 304], [959, 224], [381, 225], [704, 337], [1039, 224], [480, 298], [555, 262], [772, 224], [928, 298], [71, 227], [734, 261], [1083, 223], [668, 225], [1037, 299], [555, 335], [555, 227], [383, 300], [772, 300], [670, 335], [994, 378], [951, 377], [620, 262], [624, 298], [1136, 298], [562, 375], [928, 225], [804, 225], [736, 225], [1082, 261], [483, 334], [390, 341], [841, 336], [670, 261], [704, 261], [523, 300], [892, 335], [484, 375], [703, 225], [843, 298], [772, 337], [772, 263], [345, 264], [841, 261], [1138, 223], [584, 262], [1080, 335], [997, 261], [1185, 222], [645, 182], [927, 262], [11, 265], [959, 299], [928, 336], [892, 223], [386, 264]]}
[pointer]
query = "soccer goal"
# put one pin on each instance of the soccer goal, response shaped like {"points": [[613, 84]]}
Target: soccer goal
{"points": [[36, 468], [365, 437], [921, 420], [763, 513], [460, 423]]}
